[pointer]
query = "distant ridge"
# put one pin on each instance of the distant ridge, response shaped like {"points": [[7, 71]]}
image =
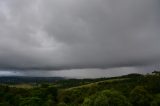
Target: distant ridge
{"points": [[28, 79]]}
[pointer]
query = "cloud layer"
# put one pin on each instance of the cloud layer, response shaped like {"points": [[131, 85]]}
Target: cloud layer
{"points": [[67, 34]]}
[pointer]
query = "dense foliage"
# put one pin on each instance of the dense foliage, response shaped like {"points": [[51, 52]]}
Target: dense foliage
{"points": [[106, 98], [129, 90]]}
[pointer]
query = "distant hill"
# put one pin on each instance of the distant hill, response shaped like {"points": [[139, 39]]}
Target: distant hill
{"points": [[22, 79]]}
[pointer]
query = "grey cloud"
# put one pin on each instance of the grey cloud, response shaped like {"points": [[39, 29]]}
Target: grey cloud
{"points": [[60, 34]]}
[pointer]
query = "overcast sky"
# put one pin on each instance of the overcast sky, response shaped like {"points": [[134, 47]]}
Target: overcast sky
{"points": [[91, 36]]}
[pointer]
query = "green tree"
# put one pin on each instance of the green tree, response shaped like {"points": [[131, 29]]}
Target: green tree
{"points": [[106, 98], [31, 101], [140, 97], [156, 101], [49, 102], [62, 104], [4, 104]]}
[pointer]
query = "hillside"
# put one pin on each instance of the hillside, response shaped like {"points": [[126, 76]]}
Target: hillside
{"points": [[128, 90]]}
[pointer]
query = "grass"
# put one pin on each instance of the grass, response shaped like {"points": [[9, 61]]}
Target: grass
{"points": [[95, 83], [26, 86]]}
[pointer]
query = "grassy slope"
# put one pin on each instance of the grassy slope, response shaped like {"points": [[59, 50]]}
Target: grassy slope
{"points": [[96, 83]]}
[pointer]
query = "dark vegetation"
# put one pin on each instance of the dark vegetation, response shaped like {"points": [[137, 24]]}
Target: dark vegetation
{"points": [[128, 90], [21, 79]]}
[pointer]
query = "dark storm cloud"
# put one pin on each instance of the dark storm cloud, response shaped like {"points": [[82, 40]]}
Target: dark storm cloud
{"points": [[67, 34]]}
